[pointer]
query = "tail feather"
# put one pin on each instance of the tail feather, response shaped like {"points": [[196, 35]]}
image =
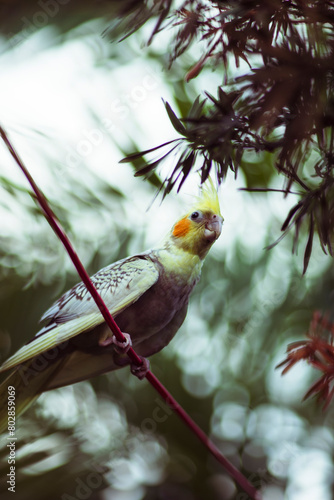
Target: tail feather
{"points": [[22, 387], [43, 373]]}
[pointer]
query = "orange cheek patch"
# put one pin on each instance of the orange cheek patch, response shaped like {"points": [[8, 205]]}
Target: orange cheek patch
{"points": [[181, 228]]}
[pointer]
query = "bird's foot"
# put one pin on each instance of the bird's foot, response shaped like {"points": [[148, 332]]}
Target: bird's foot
{"points": [[120, 347], [140, 371], [104, 342]]}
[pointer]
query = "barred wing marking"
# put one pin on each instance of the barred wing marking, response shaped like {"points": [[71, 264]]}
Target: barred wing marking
{"points": [[119, 285], [115, 283]]}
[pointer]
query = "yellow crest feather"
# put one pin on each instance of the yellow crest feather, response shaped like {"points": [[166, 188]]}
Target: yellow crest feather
{"points": [[208, 199]]}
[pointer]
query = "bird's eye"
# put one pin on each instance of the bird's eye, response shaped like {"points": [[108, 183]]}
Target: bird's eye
{"points": [[194, 215]]}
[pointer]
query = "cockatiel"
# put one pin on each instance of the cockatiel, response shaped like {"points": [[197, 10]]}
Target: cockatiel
{"points": [[147, 294]]}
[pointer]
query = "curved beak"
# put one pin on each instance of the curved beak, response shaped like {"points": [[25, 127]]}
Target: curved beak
{"points": [[213, 227]]}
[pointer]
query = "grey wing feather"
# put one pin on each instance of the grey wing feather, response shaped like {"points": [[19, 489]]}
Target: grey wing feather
{"points": [[114, 283], [119, 285]]}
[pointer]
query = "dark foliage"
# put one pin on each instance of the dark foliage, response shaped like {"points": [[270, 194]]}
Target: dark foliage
{"points": [[319, 352], [283, 104]]}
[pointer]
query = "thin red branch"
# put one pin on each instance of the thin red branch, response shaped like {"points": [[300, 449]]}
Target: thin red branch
{"points": [[164, 393]]}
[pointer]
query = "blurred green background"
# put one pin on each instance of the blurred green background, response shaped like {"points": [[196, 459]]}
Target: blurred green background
{"points": [[75, 102]]}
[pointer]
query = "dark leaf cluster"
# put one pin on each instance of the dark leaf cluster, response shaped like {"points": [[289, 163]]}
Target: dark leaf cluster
{"points": [[133, 14], [319, 352], [317, 206], [217, 136], [283, 104]]}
